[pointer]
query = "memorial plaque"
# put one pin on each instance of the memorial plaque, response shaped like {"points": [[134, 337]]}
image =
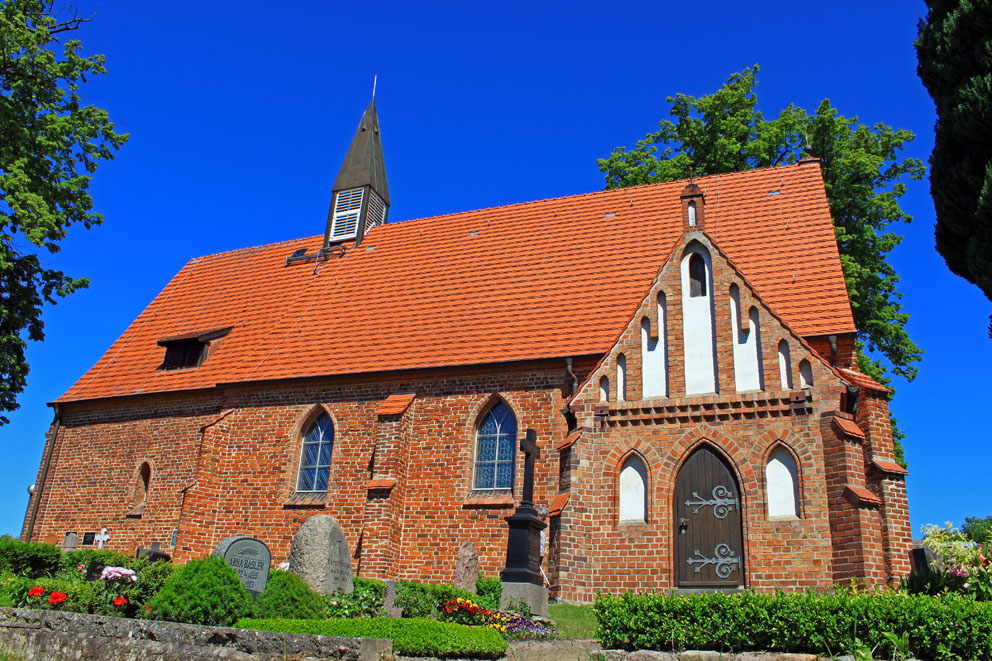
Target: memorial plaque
{"points": [[88, 538], [250, 558]]}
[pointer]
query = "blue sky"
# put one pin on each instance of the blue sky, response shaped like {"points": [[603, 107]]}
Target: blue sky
{"points": [[240, 116]]}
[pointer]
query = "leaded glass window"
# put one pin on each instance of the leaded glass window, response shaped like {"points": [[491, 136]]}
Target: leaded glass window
{"points": [[496, 449], [315, 464]]}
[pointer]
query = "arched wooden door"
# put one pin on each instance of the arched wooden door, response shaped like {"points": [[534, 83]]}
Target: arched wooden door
{"points": [[709, 548]]}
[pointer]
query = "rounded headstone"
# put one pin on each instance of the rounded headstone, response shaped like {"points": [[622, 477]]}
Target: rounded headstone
{"points": [[319, 555], [467, 567], [250, 558]]}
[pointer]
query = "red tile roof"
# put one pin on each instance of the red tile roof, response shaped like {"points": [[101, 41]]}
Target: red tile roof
{"points": [[862, 380], [537, 280], [889, 467], [395, 404], [849, 428], [864, 495], [559, 503]]}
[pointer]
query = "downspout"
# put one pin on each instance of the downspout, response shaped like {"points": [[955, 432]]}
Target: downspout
{"points": [[40, 487], [575, 379]]}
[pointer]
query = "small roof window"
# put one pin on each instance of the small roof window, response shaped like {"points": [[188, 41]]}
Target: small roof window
{"points": [[189, 349]]}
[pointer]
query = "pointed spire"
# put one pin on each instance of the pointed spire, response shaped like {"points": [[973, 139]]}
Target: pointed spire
{"points": [[364, 165], [360, 195]]}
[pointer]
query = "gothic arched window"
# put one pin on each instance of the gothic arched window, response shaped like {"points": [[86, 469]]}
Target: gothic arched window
{"points": [[315, 463], [495, 451], [633, 490]]}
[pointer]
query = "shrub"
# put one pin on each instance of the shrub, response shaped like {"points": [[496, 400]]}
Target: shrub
{"points": [[424, 599], [32, 560], [411, 637], [489, 591], [288, 595], [205, 591], [365, 601], [70, 562], [152, 577], [949, 626], [80, 597]]}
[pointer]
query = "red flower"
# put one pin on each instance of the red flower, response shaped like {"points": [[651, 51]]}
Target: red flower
{"points": [[119, 601], [57, 598], [148, 608], [36, 591]]}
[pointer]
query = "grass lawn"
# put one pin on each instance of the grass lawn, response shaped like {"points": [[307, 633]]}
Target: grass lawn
{"points": [[573, 621]]}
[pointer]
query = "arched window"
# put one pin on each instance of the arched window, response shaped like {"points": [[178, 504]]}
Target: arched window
{"points": [[692, 214], [621, 378], [785, 365], [805, 374], [315, 463], [782, 481], [697, 275], [633, 490], [496, 449], [604, 388], [139, 490]]}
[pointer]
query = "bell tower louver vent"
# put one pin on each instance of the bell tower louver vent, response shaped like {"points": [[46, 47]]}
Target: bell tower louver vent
{"points": [[360, 195], [347, 209]]}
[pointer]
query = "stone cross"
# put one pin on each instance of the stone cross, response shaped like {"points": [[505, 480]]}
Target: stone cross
{"points": [[101, 538], [528, 445]]}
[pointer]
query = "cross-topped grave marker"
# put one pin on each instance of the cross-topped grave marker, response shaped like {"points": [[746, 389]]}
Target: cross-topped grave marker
{"points": [[101, 538], [528, 445], [522, 578]]}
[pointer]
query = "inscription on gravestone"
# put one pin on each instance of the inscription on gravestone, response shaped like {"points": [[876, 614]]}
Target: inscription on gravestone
{"points": [[88, 538], [250, 558]]}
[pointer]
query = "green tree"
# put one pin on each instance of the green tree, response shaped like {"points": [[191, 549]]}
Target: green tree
{"points": [[725, 132], [979, 530], [50, 144], [955, 54]]}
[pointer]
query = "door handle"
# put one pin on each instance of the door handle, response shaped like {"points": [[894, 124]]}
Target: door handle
{"points": [[683, 525]]}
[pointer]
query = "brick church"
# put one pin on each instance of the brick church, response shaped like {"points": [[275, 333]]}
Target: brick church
{"points": [[684, 352]]}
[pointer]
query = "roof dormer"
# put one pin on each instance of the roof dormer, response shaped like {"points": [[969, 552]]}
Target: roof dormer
{"points": [[693, 203], [360, 195]]}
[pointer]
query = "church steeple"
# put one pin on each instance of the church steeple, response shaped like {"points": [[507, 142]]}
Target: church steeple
{"points": [[360, 195]]}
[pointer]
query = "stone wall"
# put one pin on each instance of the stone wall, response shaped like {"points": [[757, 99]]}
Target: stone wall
{"points": [[58, 636]]}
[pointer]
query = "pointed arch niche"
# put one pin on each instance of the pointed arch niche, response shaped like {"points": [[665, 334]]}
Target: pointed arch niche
{"points": [[747, 344], [139, 489], [654, 358], [632, 504], [785, 365], [621, 378], [697, 321], [782, 484]]}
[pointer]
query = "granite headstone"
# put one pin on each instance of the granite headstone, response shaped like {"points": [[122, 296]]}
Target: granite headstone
{"points": [[320, 556], [250, 558], [467, 567]]}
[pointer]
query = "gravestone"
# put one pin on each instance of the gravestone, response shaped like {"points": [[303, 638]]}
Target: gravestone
{"points": [[389, 600], [70, 543], [467, 567], [153, 554], [95, 570], [522, 579], [250, 558], [102, 538], [88, 538], [320, 556]]}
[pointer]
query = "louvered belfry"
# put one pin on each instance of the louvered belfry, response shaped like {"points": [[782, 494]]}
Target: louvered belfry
{"points": [[360, 195]]}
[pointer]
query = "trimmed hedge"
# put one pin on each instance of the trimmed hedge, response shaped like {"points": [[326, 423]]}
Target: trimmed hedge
{"points": [[33, 560], [287, 595], [946, 627], [411, 637]]}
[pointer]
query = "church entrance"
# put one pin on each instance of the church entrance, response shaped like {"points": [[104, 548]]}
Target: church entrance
{"points": [[709, 547]]}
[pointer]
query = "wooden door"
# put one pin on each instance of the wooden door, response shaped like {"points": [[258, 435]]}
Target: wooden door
{"points": [[709, 548]]}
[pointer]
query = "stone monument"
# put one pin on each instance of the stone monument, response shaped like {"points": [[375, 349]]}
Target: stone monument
{"points": [[522, 580], [70, 543], [320, 556], [467, 567], [250, 558]]}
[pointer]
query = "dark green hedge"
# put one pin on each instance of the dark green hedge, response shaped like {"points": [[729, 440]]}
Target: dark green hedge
{"points": [[411, 637], [944, 627], [33, 560]]}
